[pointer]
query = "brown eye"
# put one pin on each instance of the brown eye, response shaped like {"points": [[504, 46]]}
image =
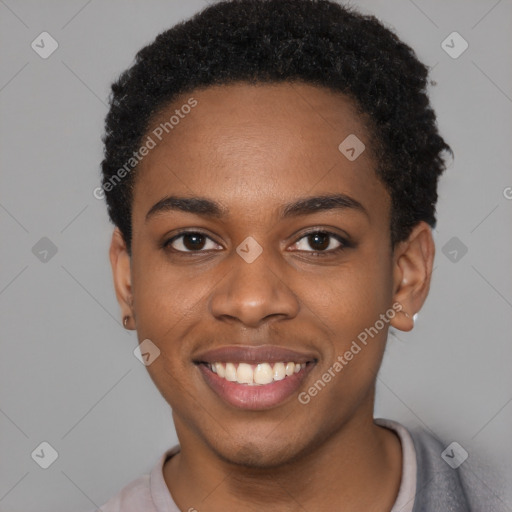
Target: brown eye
{"points": [[190, 241], [321, 242]]}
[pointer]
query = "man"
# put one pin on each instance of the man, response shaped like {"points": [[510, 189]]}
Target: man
{"points": [[271, 168]]}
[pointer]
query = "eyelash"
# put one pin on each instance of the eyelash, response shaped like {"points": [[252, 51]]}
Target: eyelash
{"points": [[344, 244]]}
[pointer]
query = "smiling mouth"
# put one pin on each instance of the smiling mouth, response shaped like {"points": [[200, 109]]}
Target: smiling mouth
{"points": [[254, 377], [255, 374]]}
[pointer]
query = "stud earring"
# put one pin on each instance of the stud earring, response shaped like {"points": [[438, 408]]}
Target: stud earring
{"points": [[125, 321], [409, 316]]}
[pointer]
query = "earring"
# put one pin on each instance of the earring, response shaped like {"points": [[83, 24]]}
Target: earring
{"points": [[125, 321], [409, 316]]}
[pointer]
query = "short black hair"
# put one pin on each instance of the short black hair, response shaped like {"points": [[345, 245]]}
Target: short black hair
{"points": [[318, 42]]}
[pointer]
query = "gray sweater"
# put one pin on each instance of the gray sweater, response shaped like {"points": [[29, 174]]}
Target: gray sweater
{"points": [[443, 489]]}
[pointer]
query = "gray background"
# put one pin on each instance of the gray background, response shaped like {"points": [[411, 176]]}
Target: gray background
{"points": [[68, 375]]}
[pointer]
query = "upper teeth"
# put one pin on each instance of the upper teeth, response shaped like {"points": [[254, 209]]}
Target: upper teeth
{"points": [[262, 373]]}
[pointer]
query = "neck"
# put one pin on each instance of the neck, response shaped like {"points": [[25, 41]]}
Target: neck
{"points": [[357, 468]]}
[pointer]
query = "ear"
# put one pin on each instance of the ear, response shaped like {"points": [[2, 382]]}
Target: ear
{"points": [[412, 270], [121, 271]]}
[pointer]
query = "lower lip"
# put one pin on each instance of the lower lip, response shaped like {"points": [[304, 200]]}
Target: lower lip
{"points": [[257, 397]]}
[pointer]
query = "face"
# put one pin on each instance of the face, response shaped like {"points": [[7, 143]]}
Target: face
{"points": [[255, 292]]}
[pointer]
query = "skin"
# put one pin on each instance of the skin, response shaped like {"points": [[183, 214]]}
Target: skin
{"points": [[254, 149]]}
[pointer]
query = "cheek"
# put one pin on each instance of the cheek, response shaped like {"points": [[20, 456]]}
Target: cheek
{"points": [[163, 297], [163, 309], [351, 303], [351, 307], [354, 297]]}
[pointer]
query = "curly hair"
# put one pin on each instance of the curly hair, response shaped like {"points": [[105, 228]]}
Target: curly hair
{"points": [[318, 42]]}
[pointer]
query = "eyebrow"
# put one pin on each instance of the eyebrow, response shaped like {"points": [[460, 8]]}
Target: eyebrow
{"points": [[303, 206]]}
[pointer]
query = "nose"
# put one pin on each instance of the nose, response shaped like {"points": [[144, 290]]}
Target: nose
{"points": [[253, 293]]}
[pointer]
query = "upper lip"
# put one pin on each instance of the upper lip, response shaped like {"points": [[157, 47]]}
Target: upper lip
{"points": [[253, 355]]}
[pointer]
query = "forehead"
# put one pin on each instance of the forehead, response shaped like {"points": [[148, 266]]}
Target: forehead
{"points": [[257, 145]]}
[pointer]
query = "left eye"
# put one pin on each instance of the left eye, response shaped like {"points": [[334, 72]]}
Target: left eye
{"points": [[321, 241]]}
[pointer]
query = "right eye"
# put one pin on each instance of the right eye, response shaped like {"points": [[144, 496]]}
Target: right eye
{"points": [[188, 241]]}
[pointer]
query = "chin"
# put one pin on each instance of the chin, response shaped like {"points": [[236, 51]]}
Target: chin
{"points": [[266, 454]]}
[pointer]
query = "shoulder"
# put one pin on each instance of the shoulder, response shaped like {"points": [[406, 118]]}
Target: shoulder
{"points": [[448, 478], [134, 497], [148, 493]]}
